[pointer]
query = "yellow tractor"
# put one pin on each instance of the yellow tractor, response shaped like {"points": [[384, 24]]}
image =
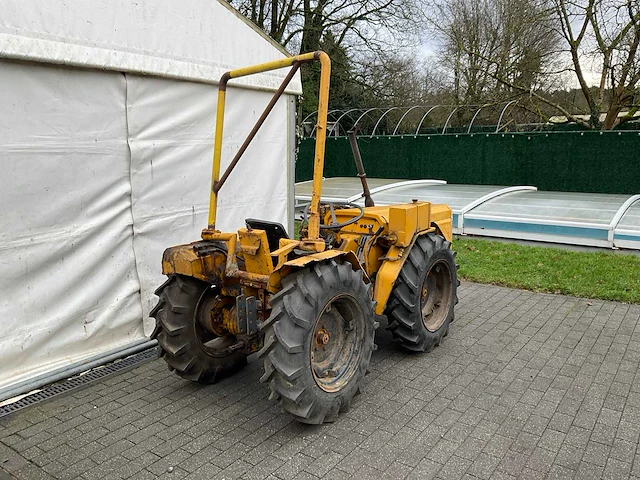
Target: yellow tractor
{"points": [[309, 307]]}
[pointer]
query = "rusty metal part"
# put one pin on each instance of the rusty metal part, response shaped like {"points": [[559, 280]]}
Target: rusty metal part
{"points": [[226, 318], [202, 260], [255, 250], [218, 185], [395, 227], [368, 201], [259, 272], [217, 315], [435, 295], [339, 332], [246, 314], [231, 270], [322, 337]]}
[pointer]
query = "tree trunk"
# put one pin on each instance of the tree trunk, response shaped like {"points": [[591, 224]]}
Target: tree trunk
{"points": [[312, 29], [615, 106]]}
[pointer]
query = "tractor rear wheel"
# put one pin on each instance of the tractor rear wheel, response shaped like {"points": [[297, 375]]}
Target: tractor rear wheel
{"points": [[186, 345], [421, 305], [318, 341]]}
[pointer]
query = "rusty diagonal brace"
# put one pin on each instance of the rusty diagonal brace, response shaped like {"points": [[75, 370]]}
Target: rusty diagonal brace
{"points": [[276, 96]]}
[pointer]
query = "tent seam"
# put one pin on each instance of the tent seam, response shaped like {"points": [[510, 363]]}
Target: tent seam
{"points": [[133, 218]]}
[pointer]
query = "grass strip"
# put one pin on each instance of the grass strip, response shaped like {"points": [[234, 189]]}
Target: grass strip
{"points": [[603, 275]]}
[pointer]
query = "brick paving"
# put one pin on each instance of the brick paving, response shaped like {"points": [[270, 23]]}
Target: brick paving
{"points": [[526, 385]]}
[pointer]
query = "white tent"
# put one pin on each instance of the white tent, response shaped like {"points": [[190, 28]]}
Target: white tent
{"points": [[106, 132]]}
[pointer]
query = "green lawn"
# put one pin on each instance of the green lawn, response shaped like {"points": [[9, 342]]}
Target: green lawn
{"points": [[604, 275]]}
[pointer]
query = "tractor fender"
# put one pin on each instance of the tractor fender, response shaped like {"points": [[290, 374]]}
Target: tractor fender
{"points": [[442, 220], [444, 228], [275, 280], [393, 262], [203, 260], [326, 255]]}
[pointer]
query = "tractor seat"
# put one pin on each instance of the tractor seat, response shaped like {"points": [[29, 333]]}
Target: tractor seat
{"points": [[275, 231]]}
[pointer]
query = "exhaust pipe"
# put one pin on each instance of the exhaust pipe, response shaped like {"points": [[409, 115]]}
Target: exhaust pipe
{"points": [[368, 201]]}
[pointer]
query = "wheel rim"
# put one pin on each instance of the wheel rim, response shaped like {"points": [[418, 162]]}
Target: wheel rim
{"points": [[336, 343], [212, 344], [435, 295]]}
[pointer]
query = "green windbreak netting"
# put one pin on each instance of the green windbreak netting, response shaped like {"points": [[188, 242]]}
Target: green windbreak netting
{"points": [[600, 162]]}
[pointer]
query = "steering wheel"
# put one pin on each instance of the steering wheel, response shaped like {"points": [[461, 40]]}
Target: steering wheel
{"points": [[333, 206]]}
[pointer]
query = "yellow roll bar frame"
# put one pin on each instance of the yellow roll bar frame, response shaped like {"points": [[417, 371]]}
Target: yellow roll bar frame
{"points": [[321, 130]]}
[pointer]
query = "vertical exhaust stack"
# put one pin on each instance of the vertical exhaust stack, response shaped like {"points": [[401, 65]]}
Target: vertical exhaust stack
{"points": [[368, 201]]}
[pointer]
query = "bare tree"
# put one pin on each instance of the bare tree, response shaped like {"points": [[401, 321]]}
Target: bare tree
{"points": [[354, 32], [393, 80], [606, 34], [491, 45], [361, 24], [528, 46], [272, 16]]}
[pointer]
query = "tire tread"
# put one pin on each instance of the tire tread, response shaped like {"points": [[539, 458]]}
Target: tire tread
{"points": [[403, 306]]}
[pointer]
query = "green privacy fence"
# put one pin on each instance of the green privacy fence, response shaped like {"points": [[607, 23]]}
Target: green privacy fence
{"points": [[599, 162]]}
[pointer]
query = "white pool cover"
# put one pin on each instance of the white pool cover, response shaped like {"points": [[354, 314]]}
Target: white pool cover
{"points": [[627, 232], [519, 212]]}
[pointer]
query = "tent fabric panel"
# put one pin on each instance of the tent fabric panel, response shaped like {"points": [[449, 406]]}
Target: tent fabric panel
{"points": [[70, 289]]}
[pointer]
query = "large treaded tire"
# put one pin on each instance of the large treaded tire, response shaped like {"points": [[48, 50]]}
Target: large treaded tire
{"points": [[177, 333], [404, 308], [297, 310]]}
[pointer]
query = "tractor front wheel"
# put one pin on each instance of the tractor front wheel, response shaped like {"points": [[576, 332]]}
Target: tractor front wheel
{"points": [[421, 304], [318, 341], [187, 346]]}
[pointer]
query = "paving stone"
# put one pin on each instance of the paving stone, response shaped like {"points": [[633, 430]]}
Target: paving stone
{"points": [[541, 460], [470, 448], [616, 469], [596, 453], [263, 469], [427, 469], [443, 450], [552, 440], [628, 431], [31, 472], [167, 462], [396, 471], [454, 469], [320, 466], [292, 467], [513, 463], [588, 471], [559, 472], [561, 422], [205, 472]]}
